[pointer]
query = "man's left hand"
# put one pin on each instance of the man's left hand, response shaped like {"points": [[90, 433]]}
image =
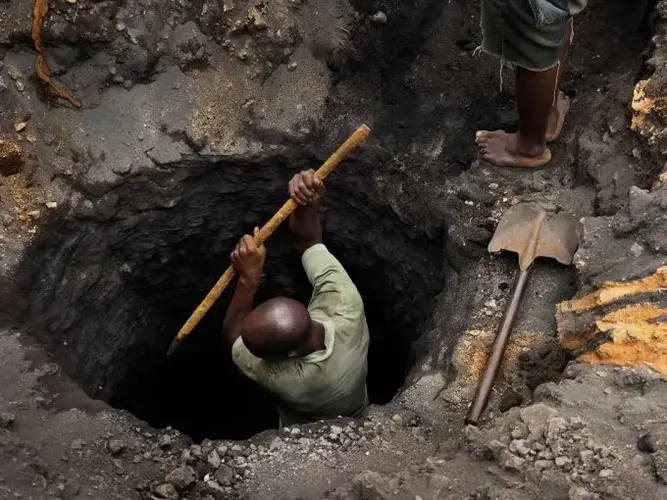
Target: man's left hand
{"points": [[248, 260]]}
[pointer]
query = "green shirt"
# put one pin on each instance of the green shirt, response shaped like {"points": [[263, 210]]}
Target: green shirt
{"points": [[327, 383]]}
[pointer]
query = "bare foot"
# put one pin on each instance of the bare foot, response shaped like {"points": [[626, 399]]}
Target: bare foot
{"points": [[557, 117], [502, 149]]}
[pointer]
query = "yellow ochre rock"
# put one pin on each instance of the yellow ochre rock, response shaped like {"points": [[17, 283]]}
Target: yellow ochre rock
{"points": [[11, 157], [611, 326]]}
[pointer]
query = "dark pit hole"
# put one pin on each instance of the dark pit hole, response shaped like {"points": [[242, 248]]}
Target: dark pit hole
{"points": [[109, 287]]}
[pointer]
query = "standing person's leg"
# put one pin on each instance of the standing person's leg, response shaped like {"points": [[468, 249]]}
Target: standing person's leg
{"points": [[538, 52], [562, 105]]}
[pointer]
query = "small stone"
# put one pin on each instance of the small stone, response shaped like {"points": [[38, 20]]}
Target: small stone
{"points": [[213, 459], [7, 420], [397, 419], [52, 205], [275, 443], [164, 441], [493, 186], [77, 444], [217, 490], [510, 398], [182, 477], [543, 464], [34, 214], [563, 461], [20, 86], [636, 249], [555, 426], [511, 462], [292, 66], [336, 430], [586, 456], [380, 17], [195, 451], [13, 72], [295, 431], [167, 491], [20, 126], [224, 475], [536, 417], [115, 446], [606, 473]]}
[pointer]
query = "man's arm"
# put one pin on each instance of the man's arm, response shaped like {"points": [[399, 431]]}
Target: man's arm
{"points": [[248, 262], [306, 190]]}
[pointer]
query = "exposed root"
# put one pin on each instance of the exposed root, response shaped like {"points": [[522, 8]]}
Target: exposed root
{"points": [[42, 69]]}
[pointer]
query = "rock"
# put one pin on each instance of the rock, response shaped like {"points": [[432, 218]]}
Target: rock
{"points": [[586, 456], [660, 462], [164, 441], [77, 444], [115, 446], [215, 489], [69, 490], [7, 420], [511, 462], [11, 157], [543, 464], [224, 475], [606, 473], [51, 205], [275, 443], [196, 451], [509, 400], [167, 491], [536, 417], [213, 459], [188, 44], [181, 477], [380, 17], [579, 493], [555, 426], [397, 419], [14, 73], [563, 461], [653, 441]]}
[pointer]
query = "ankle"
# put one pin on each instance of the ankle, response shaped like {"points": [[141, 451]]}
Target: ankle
{"points": [[529, 146]]}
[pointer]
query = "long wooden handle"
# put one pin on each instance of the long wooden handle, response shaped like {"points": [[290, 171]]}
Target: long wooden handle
{"points": [[488, 378], [285, 211]]}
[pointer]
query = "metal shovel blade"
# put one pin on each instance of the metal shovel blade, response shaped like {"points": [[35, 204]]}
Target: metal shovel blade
{"points": [[530, 231]]}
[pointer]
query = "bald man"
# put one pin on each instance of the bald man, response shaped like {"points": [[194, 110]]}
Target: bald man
{"points": [[312, 360]]}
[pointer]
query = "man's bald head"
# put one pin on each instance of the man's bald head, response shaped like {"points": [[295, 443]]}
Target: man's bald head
{"points": [[276, 328]]}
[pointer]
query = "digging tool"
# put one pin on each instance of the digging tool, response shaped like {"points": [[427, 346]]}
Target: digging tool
{"points": [[530, 231], [285, 211]]}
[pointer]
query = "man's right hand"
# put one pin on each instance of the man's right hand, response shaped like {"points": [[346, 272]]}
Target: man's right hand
{"points": [[306, 189], [248, 261]]}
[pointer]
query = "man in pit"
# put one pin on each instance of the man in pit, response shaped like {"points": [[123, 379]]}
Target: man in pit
{"points": [[534, 36], [311, 360]]}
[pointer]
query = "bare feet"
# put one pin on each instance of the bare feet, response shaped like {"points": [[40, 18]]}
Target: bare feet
{"points": [[503, 150], [557, 117]]}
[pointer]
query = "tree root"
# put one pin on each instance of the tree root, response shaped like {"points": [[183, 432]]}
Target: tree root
{"points": [[42, 69]]}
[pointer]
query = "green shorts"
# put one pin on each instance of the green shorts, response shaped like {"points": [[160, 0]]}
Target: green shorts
{"points": [[527, 33]]}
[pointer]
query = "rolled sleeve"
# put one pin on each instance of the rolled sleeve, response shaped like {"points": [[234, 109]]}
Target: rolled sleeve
{"points": [[333, 288], [246, 361]]}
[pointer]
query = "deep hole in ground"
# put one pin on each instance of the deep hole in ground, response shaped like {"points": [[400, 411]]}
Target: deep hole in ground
{"points": [[112, 282]]}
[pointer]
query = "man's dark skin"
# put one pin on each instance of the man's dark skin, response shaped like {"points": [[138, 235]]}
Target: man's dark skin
{"points": [[279, 327]]}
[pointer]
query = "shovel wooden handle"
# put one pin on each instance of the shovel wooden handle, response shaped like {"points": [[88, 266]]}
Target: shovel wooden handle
{"points": [[285, 211], [485, 383]]}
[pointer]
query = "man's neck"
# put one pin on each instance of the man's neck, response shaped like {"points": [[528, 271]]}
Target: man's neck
{"points": [[316, 341]]}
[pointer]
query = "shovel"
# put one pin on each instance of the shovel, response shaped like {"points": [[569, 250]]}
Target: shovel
{"points": [[530, 231]]}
